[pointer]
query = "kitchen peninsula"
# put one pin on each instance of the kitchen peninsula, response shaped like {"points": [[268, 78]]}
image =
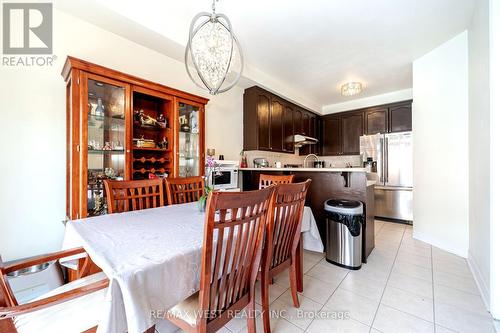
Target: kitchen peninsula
{"points": [[327, 183]]}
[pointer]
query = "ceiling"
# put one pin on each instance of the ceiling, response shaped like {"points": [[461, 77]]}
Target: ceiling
{"points": [[315, 46]]}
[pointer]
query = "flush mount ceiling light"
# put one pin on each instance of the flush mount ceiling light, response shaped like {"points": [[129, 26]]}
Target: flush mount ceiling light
{"points": [[351, 88], [213, 51]]}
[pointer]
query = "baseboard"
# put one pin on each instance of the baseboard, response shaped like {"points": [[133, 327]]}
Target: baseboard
{"points": [[484, 288]]}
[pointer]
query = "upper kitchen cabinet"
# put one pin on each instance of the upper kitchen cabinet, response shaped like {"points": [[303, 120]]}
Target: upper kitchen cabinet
{"points": [[277, 124], [341, 131], [332, 135], [400, 117], [376, 120], [297, 121], [270, 122], [288, 133], [310, 128], [256, 119], [352, 129]]}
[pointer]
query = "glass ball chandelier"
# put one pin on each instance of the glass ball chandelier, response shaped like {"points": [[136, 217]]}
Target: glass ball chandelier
{"points": [[214, 52]]}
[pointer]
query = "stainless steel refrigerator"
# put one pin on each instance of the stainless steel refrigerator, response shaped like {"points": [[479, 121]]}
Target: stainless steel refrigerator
{"points": [[393, 153]]}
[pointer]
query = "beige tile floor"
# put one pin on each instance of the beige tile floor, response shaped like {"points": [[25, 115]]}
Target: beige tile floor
{"points": [[406, 286]]}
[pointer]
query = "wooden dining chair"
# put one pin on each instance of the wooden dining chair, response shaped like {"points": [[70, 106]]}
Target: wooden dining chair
{"points": [[232, 249], [184, 190], [73, 307], [124, 196], [268, 180], [282, 240]]}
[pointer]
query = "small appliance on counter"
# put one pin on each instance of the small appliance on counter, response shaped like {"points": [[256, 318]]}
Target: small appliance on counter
{"points": [[260, 163], [225, 175], [370, 165]]}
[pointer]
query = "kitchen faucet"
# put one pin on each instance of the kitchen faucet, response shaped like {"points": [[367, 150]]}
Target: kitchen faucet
{"points": [[304, 164]]}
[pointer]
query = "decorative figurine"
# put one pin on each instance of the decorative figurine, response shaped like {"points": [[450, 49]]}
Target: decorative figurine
{"points": [[163, 144], [99, 200], [161, 121], [110, 173], [107, 146], [137, 116], [184, 124], [118, 145]]}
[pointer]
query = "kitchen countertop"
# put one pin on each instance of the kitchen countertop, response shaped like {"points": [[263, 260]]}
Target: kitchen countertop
{"points": [[307, 169]]}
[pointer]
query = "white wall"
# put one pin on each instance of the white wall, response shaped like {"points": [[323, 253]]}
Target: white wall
{"points": [[440, 129], [494, 19], [394, 96], [479, 148], [32, 129]]}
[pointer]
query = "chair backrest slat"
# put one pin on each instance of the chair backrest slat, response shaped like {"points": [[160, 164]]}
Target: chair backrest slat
{"points": [[184, 190], [124, 196], [268, 180], [283, 230], [232, 248]]}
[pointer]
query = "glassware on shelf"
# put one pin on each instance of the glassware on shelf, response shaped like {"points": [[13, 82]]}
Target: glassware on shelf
{"points": [[106, 132], [99, 110], [189, 140]]}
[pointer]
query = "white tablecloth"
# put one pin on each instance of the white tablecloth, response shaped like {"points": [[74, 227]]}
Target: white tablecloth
{"points": [[152, 258]]}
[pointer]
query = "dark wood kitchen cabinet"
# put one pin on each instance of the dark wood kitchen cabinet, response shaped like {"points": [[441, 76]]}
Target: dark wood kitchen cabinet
{"points": [[297, 121], [310, 127], [400, 118], [288, 114], [269, 122], [352, 129], [376, 121], [277, 124], [257, 120], [332, 136]]}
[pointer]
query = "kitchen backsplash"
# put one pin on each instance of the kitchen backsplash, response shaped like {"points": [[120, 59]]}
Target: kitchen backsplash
{"points": [[330, 161]]}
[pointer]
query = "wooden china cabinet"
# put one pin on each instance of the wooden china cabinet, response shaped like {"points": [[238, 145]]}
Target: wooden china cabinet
{"points": [[123, 127]]}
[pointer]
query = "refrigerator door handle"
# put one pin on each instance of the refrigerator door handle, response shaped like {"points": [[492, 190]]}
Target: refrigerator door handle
{"points": [[382, 161], [386, 160]]}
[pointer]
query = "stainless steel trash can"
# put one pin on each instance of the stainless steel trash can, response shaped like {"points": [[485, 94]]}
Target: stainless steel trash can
{"points": [[344, 232]]}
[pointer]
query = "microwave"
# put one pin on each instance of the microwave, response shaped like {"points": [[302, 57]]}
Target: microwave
{"points": [[224, 178]]}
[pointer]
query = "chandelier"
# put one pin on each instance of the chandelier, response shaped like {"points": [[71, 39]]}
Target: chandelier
{"points": [[351, 88], [214, 52]]}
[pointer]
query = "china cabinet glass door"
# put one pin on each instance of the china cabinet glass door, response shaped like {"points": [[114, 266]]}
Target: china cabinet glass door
{"points": [[106, 136], [189, 140]]}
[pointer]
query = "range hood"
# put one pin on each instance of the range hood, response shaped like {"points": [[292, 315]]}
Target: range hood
{"points": [[302, 140]]}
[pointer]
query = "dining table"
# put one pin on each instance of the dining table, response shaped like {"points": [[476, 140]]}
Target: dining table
{"points": [[152, 258]]}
